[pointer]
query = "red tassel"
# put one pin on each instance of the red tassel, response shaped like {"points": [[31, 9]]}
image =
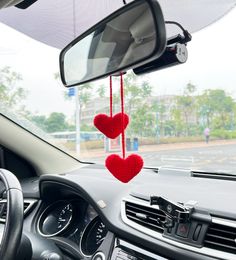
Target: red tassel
{"points": [[122, 113], [124, 169], [111, 126]]}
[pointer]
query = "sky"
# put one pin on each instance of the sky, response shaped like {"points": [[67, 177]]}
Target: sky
{"points": [[211, 64]]}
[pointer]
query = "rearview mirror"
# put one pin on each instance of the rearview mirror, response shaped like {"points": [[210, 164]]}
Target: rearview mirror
{"points": [[130, 37]]}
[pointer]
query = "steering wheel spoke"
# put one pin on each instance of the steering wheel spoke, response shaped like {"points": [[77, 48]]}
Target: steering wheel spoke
{"points": [[12, 211], [3, 208]]}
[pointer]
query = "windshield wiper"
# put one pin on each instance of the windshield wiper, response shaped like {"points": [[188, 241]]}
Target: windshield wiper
{"points": [[214, 175]]}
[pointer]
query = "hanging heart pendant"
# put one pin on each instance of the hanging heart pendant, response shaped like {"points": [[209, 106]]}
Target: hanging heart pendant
{"points": [[124, 169], [110, 126]]}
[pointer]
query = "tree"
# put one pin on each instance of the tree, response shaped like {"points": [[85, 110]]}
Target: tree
{"points": [[40, 121], [136, 106], [56, 122], [84, 92], [135, 92], [87, 128], [217, 107], [11, 94], [143, 122], [176, 115], [101, 91], [186, 103], [159, 109]]}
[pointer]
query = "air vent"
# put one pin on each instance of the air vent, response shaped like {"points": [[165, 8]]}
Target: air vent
{"points": [[214, 175], [221, 237], [27, 206], [144, 216]]}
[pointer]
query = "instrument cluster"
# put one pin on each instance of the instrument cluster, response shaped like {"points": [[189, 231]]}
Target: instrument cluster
{"points": [[75, 220]]}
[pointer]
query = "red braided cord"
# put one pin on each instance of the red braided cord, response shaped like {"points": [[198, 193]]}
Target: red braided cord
{"points": [[122, 112], [110, 96]]}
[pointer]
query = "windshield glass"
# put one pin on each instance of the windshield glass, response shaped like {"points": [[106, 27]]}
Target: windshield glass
{"points": [[183, 116]]}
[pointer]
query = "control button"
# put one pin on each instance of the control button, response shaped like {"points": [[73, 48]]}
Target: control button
{"points": [[197, 232], [183, 230], [99, 256]]}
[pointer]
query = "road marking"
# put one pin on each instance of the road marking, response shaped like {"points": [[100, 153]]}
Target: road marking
{"points": [[191, 159], [211, 152]]}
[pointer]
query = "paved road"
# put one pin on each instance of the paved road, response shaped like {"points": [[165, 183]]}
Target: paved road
{"points": [[219, 158]]}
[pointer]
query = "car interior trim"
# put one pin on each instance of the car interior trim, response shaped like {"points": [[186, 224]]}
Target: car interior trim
{"points": [[204, 251], [43, 157], [224, 222], [122, 243]]}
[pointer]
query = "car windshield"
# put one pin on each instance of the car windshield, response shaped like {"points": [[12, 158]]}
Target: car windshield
{"points": [[184, 116]]}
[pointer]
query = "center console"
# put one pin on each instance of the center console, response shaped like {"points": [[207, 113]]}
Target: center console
{"points": [[126, 251]]}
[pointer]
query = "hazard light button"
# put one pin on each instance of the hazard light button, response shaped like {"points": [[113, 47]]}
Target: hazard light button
{"points": [[183, 230]]}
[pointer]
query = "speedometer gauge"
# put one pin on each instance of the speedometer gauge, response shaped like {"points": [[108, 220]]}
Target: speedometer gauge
{"points": [[65, 217], [55, 219], [93, 236]]}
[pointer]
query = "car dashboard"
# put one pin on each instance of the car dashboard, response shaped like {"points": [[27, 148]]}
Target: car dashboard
{"points": [[89, 215]]}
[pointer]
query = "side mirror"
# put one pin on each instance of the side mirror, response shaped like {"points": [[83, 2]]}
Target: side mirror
{"points": [[130, 37]]}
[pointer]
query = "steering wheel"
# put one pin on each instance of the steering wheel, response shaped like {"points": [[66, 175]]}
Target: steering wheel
{"points": [[14, 203]]}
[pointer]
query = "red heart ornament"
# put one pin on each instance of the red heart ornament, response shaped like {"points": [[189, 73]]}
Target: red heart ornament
{"points": [[110, 126], [124, 169]]}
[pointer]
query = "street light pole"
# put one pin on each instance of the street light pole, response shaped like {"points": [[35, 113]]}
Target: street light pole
{"points": [[77, 121]]}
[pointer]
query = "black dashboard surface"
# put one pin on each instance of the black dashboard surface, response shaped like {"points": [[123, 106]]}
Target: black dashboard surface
{"points": [[215, 196], [104, 194], [95, 185]]}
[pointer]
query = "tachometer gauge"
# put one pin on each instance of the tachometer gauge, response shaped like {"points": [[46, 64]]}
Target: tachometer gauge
{"points": [[101, 233], [55, 219], [93, 236]]}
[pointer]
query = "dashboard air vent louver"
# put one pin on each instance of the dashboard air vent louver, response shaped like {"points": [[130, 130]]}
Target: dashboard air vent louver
{"points": [[27, 206], [144, 216], [221, 237]]}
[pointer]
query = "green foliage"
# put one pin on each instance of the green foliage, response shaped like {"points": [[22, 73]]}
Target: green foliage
{"points": [[56, 122], [11, 94], [223, 134], [135, 92], [217, 108], [142, 122], [159, 110], [87, 128], [40, 121], [170, 140], [142, 117], [101, 91], [177, 121], [186, 104], [181, 116]]}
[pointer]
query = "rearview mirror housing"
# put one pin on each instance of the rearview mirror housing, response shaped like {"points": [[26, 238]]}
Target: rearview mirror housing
{"points": [[128, 38]]}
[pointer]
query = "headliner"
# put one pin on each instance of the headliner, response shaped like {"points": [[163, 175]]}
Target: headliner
{"points": [[58, 22]]}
